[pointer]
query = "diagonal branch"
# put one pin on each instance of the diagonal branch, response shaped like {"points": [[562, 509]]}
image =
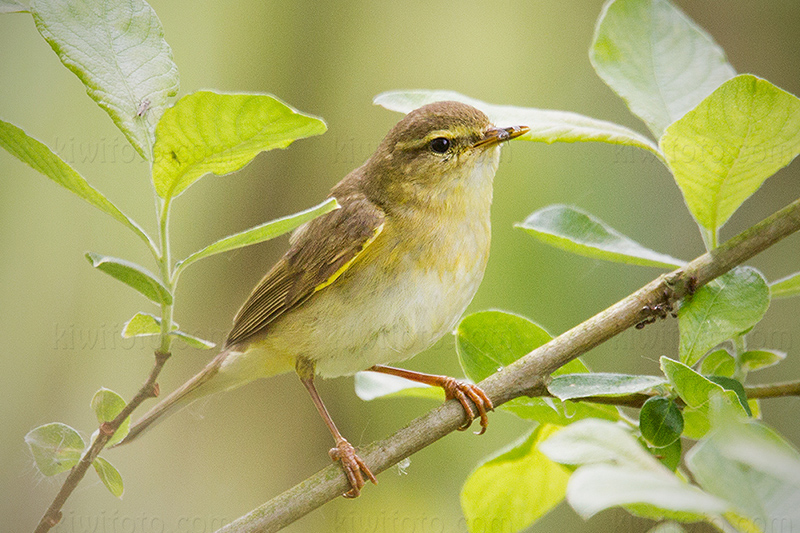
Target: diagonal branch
{"points": [[149, 389], [527, 376]]}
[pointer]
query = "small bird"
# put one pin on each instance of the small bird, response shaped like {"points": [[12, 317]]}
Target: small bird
{"points": [[376, 281]]}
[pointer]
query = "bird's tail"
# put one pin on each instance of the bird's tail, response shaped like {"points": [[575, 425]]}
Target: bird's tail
{"points": [[193, 389]]}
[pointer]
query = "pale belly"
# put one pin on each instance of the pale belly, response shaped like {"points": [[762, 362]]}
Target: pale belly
{"points": [[372, 318]]}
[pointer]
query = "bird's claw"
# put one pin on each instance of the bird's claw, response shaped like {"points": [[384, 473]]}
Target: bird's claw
{"points": [[353, 467], [468, 394]]}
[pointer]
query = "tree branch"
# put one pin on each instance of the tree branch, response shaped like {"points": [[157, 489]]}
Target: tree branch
{"points": [[148, 390], [528, 375], [773, 390], [637, 399]]}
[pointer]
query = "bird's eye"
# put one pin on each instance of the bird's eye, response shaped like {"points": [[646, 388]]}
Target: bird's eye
{"points": [[440, 145]]}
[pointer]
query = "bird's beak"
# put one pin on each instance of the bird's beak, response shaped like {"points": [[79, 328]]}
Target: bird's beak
{"points": [[494, 136]]}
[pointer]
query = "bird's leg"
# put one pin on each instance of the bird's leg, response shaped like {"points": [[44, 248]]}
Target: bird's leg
{"points": [[453, 389], [344, 451]]}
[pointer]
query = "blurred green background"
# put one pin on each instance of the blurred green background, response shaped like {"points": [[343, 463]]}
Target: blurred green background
{"points": [[60, 320]]}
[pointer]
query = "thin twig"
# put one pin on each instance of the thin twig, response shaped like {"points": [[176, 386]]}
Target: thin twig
{"points": [[773, 390], [753, 392], [528, 375], [149, 390]]}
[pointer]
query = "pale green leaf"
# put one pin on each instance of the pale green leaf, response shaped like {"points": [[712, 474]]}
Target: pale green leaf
{"points": [[750, 466], [576, 231], [697, 392], [718, 363], [109, 475], [545, 125], [132, 275], [515, 488], [145, 324], [657, 59], [593, 441], [261, 233], [106, 405], [193, 341], [13, 6], [727, 306], [42, 159], [785, 287], [647, 493], [693, 388], [570, 386], [617, 470], [372, 385], [141, 325], [118, 51], [722, 151], [56, 447], [758, 359], [207, 132]]}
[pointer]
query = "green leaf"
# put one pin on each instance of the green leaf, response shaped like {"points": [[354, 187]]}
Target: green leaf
{"points": [[722, 151], [545, 125], [56, 447], [657, 59], [695, 422], [570, 386], [785, 287], [109, 475], [207, 132], [729, 305], [372, 385], [752, 467], [515, 488], [669, 455], [141, 325], [145, 324], [118, 51], [646, 493], [133, 275], [42, 159], [191, 340], [261, 233], [576, 231], [693, 388], [758, 359], [718, 363], [660, 421], [488, 341], [735, 386], [107, 404], [697, 392]]}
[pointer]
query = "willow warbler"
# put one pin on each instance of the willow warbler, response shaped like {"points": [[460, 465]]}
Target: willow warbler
{"points": [[378, 280]]}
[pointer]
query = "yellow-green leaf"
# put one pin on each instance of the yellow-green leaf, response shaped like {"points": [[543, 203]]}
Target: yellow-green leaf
{"points": [[207, 132], [515, 488], [721, 151]]}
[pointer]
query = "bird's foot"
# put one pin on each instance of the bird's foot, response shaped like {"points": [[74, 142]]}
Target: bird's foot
{"points": [[353, 467], [463, 392]]}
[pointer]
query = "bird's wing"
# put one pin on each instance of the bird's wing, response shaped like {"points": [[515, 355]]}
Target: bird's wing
{"points": [[320, 252]]}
